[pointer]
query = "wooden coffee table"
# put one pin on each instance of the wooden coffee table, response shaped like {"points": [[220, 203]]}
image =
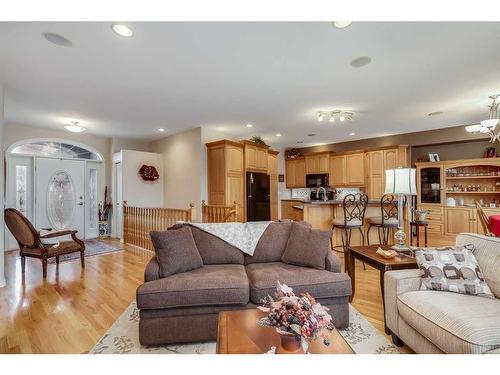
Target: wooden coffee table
{"points": [[368, 255], [238, 333]]}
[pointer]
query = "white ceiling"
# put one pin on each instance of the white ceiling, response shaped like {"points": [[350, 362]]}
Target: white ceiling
{"points": [[273, 75]]}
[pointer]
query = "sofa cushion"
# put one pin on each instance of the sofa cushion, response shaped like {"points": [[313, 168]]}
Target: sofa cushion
{"points": [[175, 251], [224, 284], [452, 269], [213, 250], [263, 278], [455, 323], [487, 253], [271, 245], [307, 247]]}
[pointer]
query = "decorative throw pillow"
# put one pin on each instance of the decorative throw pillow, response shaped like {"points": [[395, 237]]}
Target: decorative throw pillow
{"points": [[307, 247], [453, 269], [176, 251]]}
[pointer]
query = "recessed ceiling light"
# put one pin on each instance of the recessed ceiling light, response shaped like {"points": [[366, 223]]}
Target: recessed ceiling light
{"points": [[360, 61], [341, 24], [57, 39], [435, 113], [122, 30], [342, 118], [161, 129], [249, 126], [320, 117], [74, 127], [352, 133], [278, 134], [311, 135]]}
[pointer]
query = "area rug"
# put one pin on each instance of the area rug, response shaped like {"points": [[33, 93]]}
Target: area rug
{"points": [[92, 247], [123, 338]]}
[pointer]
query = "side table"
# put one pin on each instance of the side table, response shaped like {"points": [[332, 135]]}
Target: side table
{"points": [[417, 225]]}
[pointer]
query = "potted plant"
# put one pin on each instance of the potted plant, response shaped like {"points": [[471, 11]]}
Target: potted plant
{"points": [[298, 320]]}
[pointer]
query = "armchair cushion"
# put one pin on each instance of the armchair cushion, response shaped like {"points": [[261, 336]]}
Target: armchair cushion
{"points": [[453, 322], [452, 269], [307, 247], [176, 251]]}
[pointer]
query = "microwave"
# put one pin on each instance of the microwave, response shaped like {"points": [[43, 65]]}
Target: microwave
{"points": [[317, 180]]}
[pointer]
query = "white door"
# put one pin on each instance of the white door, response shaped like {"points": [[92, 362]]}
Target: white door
{"points": [[60, 194]]}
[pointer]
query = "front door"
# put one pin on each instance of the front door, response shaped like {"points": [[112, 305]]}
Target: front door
{"points": [[60, 194]]}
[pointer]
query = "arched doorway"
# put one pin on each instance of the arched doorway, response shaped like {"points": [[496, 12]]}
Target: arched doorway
{"points": [[56, 183]]}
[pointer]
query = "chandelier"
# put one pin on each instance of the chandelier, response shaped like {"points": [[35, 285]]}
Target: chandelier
{"points": [[488, 126], [335, 115]]}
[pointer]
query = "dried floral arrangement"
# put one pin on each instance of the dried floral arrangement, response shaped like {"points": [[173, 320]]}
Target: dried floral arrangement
{"points": [[258, 140], [292, 153], [301, 317]]}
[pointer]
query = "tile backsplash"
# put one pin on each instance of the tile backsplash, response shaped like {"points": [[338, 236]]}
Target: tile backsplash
{"points": [[301, 193]]}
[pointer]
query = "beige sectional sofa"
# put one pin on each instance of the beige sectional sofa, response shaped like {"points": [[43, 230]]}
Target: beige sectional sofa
{"points": [[443, 322], [184, 307]]}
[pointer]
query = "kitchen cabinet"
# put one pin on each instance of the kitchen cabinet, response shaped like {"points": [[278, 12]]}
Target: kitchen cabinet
{"points": [[317, 163], [272, 165], [291, 213], [338, 175], [296, 173], [376, 162], [225, 172], [347, 170], [256, 157], [460, 220]]}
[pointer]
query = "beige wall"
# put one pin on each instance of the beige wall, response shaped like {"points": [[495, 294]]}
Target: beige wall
{"points": [[182, 167], [135, 190]]}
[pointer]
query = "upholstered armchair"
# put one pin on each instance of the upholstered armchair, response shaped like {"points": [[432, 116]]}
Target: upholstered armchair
{"points": [[431, 321], [31, 243]]}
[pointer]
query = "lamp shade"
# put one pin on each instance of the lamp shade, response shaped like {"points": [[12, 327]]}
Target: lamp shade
{"points": [[400, 181]]}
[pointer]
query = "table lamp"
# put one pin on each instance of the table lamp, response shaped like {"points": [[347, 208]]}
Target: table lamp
{"points": [[401, 182]]}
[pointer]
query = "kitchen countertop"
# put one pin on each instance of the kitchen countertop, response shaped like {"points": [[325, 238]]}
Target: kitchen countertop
{"points": [[331, 202]]}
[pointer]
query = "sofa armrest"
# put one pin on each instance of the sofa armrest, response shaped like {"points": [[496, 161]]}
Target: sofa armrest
{"points": [[396, 283], [152, 271], [332, 262]]}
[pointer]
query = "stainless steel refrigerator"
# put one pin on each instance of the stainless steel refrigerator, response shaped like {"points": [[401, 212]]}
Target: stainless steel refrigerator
{"points": [[258, 197]]}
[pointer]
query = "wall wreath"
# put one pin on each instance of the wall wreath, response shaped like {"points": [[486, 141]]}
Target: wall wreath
{"points": [[149, 173]]}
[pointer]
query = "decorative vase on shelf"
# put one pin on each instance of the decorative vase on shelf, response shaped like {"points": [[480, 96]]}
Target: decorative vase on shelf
{"points": [[289, 344]]}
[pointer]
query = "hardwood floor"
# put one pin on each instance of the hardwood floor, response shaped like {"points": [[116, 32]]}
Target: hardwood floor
{"points": [[73, 308]]}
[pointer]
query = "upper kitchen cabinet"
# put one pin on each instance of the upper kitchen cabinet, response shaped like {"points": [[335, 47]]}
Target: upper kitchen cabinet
{"points": [[255, 157], [338, 175], [296, 173], [376, 162], [317, 163], [347, 170]]}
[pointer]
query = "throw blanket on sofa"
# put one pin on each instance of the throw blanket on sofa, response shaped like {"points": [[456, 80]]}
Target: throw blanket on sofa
{"points": [[243, 236]]}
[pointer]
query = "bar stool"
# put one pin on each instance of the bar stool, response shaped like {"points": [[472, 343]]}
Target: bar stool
{"points": [[386, 221], [354, 207]]}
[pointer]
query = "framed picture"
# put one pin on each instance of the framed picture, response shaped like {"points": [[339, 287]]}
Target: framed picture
{"points": [[491, 152], [436, 157], [431, 157]]}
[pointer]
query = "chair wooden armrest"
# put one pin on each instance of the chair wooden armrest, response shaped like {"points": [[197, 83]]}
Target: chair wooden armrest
{"points": [[59, 234]]}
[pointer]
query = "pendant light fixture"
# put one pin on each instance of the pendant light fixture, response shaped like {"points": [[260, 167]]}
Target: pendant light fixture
{"points": [[488, 126]]}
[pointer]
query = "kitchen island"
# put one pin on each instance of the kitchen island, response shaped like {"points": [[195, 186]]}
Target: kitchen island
{"points": [[321, 213]]}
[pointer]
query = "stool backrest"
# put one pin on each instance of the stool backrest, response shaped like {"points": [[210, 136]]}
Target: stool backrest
{"points": [[354, 206]]}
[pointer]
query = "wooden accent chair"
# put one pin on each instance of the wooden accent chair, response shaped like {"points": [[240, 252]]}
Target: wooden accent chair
{"points": [[211, 213], [31, 245], [485, 222]]}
